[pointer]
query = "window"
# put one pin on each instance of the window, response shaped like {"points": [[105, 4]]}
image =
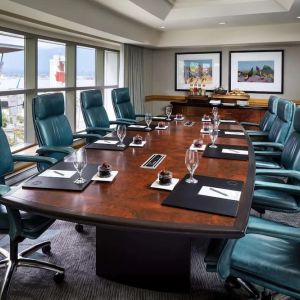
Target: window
{"points": [[51, 64], [85, 66], [80, 124]]}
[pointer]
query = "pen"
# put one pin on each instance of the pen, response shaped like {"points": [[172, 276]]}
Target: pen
{"points": [[215, 190], [59, 173]]}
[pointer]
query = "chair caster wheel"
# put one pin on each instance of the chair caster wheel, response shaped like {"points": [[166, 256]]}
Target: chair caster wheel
{"points": [[46, 249], [59, 277], [79, 228]]}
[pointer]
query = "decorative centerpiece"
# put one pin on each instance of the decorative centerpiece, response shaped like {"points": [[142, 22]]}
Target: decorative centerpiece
{"points": [[161, 124], [138, 140], [198, 143], [179, 116], [165, 177], [220, 91], [104, 170], [206, 117]]}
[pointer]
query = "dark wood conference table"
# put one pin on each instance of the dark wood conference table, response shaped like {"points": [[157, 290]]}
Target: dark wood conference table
{"points": [[139, 241]]}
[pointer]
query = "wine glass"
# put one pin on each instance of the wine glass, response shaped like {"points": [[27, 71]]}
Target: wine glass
{"points": [[168, 112], [148, 120], [213, 133], [191, 162], [215, 111], [79, 160], [216, 121], [121, 133]]}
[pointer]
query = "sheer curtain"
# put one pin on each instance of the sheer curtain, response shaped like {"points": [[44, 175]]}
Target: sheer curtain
{"points": [[133, 75]]}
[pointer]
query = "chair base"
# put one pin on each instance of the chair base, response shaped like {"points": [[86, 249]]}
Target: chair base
{"points": [[233, 282], [13, 260]]}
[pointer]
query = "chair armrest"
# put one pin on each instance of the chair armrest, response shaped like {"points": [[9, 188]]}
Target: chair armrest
{"points": [[268, 153], [128, 121], [36, 159], [266, 227], [249, 124], [88, 129], [140, 115], [279, 172], [4, 189], [269, 144], [86, 135], [47, 149], [282, 187], [257, 133]]}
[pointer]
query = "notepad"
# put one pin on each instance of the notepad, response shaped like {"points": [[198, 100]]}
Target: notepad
{"points": [[106, 142], [234, 132], [228, 121], [57, 173], [220, 193], [234, 151], [137, 126]]}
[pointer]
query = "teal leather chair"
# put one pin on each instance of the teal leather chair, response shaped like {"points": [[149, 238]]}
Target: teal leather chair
{"points": [[268, 119], [268, 256], [94, 113], [122, 106], [53, 130], [21, 225], [281, 127]]}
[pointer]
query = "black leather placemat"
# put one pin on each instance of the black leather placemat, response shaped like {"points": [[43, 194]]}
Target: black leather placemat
{"points": [[152, 126], [59, 183], [235, 136], [185, 195], [217, 152], [113, 147]]}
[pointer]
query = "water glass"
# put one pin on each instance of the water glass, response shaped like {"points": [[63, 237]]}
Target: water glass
{"points": [[168, 112], [216, 121], [191, 162], [215, 111], [121, 133], [79, 160], [213, 133], [148, 120]]}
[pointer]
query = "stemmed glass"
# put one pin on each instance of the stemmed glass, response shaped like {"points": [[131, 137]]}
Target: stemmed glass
{"points": [[216, 121], [148, 120], [79, 161], [215, 111], [213, 133], [121, 133], [169, 112], [191, 162]]}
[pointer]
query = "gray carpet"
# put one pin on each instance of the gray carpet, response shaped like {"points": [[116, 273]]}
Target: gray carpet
{"points": [[76, 252]]}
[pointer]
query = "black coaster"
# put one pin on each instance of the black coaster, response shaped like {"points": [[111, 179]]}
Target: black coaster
{"points": [[233, 136], [59, 183], [112, 147], [185, 195], [217, 152]]}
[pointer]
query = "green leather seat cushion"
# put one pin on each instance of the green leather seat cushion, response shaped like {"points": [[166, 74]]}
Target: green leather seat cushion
{"points": [[278, 258]]}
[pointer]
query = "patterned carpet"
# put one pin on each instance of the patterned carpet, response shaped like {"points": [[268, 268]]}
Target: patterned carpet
{"points": [[76, 252]]}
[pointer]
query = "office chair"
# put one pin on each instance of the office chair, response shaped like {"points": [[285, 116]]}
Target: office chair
{"points": [[268, 255], [21, 225], [122, 106], [53, 130], [267, 120], [94, 113]]}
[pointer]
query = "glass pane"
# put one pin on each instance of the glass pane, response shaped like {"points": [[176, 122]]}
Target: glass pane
{"points": [[111, 72], [80, 125], [108, 104], [13, 118], [11, 61], [85, 68], [51, 64]]}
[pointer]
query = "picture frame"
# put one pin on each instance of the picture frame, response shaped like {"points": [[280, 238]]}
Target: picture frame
{"points": [[257, 71], [203, 68]]}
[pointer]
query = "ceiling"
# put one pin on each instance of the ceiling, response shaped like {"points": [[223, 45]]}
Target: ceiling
{"points": [[192, 14]]}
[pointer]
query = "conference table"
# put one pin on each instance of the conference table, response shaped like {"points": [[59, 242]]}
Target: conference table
{"points": [[139, 241]]}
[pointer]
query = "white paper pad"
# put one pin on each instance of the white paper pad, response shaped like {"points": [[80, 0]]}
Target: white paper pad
{"points": [[234, 132], [161, 128], [159, 118], [106, 142], [202, 148], [235, 151], [137, 126], [169, 187], [227, 121], [113, 174], [55, 173], [206, 120], [220, 193], [137, 145]]}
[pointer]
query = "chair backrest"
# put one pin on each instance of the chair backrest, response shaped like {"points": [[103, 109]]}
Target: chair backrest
{"points": [[6, 161], [282, 125], [94, 113], [51, 126], [270, 115], [290, 157], [121, 103]]}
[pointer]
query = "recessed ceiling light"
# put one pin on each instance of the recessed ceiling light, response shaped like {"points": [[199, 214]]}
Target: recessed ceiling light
{"points": [[162, 27], [222, 23], [298, 17]]}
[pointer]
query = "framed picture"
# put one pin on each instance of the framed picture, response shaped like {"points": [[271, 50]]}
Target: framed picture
{"points": [[256, 71], [203, 68]]}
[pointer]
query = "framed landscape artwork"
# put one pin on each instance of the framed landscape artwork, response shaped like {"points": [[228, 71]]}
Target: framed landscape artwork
{"points": [[256, 71], [203, 68]]}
